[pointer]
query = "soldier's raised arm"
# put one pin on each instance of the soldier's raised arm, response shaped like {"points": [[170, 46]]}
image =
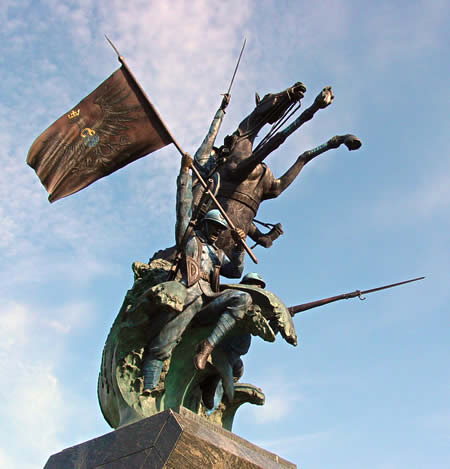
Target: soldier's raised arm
{"points": [[203, 154]]}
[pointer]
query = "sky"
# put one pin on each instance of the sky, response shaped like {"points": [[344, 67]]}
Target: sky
{"points": [[368, 385]]}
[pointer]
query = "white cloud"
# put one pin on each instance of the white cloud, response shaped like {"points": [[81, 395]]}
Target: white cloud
{"points": [[178, 78], [281, 397], [15, 322], [36, 409], [68, 317], [6, 461], [33, 404], [183, 54], [284, 445], [33, 401]]}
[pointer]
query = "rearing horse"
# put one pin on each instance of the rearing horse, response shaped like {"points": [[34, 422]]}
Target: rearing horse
{"points": [[245, 181], [238, 146]]}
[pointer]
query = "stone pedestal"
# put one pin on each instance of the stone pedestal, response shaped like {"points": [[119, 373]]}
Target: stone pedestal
{"points": [[171, 440]]}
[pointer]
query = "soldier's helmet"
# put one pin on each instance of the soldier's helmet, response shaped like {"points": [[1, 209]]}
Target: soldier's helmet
{"points": [[215, 216], [253, 278]]}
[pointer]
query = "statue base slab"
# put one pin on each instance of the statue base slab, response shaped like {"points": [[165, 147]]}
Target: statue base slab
{"points": [[171, 439]]}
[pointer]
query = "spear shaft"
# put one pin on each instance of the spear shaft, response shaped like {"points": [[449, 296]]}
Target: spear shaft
{"points": [[345, 296], [180, 150]]}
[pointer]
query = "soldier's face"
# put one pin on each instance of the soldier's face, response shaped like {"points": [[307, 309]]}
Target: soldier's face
{"points": [[213, 231]]}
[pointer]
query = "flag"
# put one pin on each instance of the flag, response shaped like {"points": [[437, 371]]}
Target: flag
{"points": [[113, 126]]}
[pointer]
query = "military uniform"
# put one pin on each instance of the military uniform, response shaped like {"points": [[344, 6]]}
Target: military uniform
{"points": [[202, 264]]}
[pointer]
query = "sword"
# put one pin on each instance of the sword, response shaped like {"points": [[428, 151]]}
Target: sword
{"points": [[236, 68]]}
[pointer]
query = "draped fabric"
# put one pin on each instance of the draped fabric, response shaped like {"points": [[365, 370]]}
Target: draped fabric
{"points": [[110, 128]]}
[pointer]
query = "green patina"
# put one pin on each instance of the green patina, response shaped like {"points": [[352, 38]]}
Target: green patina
{"points": [[120, 384]]}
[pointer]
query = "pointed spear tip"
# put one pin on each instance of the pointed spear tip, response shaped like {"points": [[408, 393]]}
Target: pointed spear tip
{"points": [[113, 46]]}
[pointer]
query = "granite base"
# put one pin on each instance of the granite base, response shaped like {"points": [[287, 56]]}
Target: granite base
{"points": [[171, 440]]}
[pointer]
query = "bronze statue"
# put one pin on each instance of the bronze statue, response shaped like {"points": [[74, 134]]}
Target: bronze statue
{"points": [[202, 263], [174, 340], [233, 347], [241, 178], [180, 334]]}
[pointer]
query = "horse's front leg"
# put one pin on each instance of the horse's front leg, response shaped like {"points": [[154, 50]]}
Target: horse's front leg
{"points": [[323, 100], [280, 184], [350, 141], [246, 165], [265, 239]]}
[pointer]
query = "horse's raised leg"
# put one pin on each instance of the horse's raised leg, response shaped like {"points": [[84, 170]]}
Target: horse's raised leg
{"points": [[280, 184], [350, 141], [323, 99], [246, 166], [265, 239]]}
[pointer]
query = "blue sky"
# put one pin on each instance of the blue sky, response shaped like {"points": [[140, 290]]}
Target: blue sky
{"points": [[368, 385]]}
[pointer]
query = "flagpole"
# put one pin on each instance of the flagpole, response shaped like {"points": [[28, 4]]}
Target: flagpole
{"points": [[182, 153]]}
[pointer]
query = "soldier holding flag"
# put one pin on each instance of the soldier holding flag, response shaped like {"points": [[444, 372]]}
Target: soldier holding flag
{"points": [[201, 264]]}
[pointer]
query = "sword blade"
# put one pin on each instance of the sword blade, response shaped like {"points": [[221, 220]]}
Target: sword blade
{"points": [[237, 65]]}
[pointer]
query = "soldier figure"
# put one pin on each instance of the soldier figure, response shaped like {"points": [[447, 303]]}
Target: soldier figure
{"points": [[233, 347], [202, 263], [208, 158]]}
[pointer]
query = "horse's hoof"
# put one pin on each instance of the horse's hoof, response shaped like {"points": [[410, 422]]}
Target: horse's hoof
{"points": [[324, 98], [352, 142]]}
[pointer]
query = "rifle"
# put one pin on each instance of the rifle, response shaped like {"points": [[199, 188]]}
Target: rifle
{"points": [[293, 310]]}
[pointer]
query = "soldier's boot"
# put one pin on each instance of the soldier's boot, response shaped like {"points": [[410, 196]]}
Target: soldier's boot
{"points": [[203, 352], [209, 387], [224, 324], [152, 372]]}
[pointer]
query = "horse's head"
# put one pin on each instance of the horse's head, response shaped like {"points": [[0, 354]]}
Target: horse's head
{"points": [[272, 107], [267, 111]]}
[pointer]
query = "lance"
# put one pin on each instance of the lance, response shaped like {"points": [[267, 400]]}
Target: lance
{"points": [[357, 293], [180, 150]]}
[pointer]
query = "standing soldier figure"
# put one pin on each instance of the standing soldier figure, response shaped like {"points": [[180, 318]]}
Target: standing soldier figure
{"points": [[233, 347], [202, 263]]}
